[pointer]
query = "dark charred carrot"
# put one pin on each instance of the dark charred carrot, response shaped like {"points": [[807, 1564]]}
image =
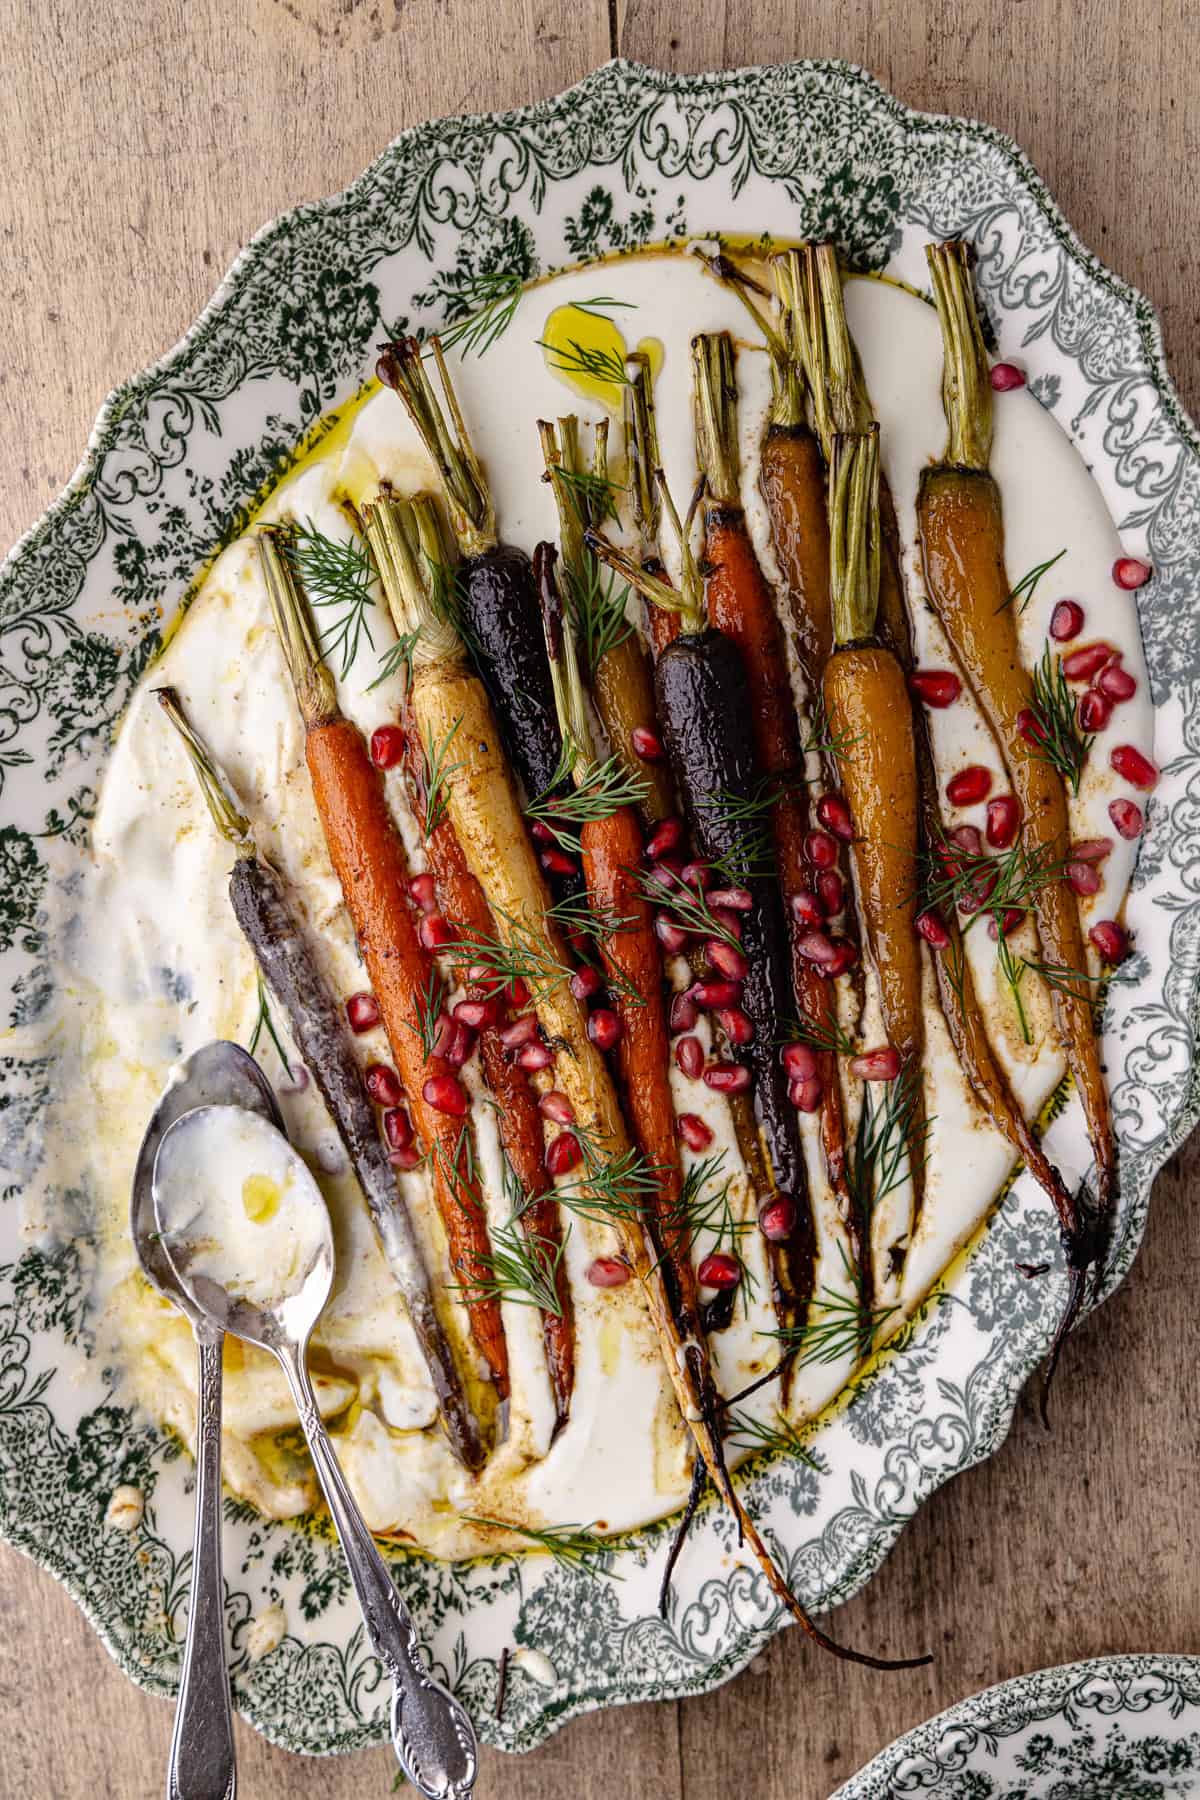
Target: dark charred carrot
{"points": [[962, 539], [369, 861], [462, 903], [867, 703], [317, 1024]]}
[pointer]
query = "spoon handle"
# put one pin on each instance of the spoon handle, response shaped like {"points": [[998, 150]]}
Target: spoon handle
{"points": [[432, 1734], [202, 1755]]}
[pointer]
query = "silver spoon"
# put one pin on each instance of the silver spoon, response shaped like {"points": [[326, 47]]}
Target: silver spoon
{"points": [[258, 1260], [201, 1765]]}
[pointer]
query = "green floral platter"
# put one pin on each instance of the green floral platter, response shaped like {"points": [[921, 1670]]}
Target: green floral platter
{"points": [[1114, 1728], [176, 462]]}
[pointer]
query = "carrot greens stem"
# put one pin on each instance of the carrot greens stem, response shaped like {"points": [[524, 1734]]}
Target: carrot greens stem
{"points": [[966, 380], [316, 694], [854, 534], [443, 431]]}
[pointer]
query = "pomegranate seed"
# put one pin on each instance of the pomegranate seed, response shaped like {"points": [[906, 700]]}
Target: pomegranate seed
{"points": [[557, 862], [423, 890], [666, 836], [1009, 921], [969, 786], [443, 1035], [533, 1058], [737, 899], [397, 1128], [540, 832], [696, 875], [521, 1031], [719, 1271], [1030, 726], [936, 687], [557, 1107], [737, 1025], [586, 982], [461, 1045], [604, 1028], [844, 957], [387, 746], [646, 743], [729, 922], [727, 1078], [806, 1093], [666, 873], [967, 838], [435, 931], [834, 814], [1082, 664], [608, 1272], [800, 1061], [1109, 940], [1134, 768], [1066, 621], [481, 975], [776, 1217], [1084, 877], [1117, 683], [383, 1085], [689, 1057], [726, 959], [1003, 817], [1131, 572], [1095, 710], [876, 1065], [407, 1157], [817, 947], [478, 1014], [684, 1012], [362, 1010], [517, 993], [832, 891], [671, 936], [694, 1132], [806, 908], [1005, 376], [1126, 815], [932, 930], [820, 849], [446, 1094], [715, 993], [563, 1154], [1091, 850]]}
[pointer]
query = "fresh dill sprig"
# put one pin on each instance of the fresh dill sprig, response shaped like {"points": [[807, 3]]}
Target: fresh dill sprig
{"points": [[430, 1003], [521, 1266], [827, 1034], [1010, 880], [1020, 595], [334, 573], [1076, 984], [591, 494], [704, 1206], [492, 299], [1058, 739], [438, 769], [264, 1022], [748, 1433], [822, 738], [518, 956], [607, 1189], [884, 1144], [836, 1328], [582, 359], [599, 606], [460, 1170], [751, 858], [686, 907], [600, 305], [573, 1546], [396, 660], [607, 787], [1013, 970]]}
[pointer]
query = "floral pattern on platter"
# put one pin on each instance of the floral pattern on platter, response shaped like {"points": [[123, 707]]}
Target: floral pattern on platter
{"points": [[1119, 1728], [178, 459]]}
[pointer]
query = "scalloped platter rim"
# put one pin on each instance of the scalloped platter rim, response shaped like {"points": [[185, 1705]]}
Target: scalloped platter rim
{"points": [[177, 459]]}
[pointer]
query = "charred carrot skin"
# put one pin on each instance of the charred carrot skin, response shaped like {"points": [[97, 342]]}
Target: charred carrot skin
{"points": [[462, 902], [792, 482], [368, 859]]}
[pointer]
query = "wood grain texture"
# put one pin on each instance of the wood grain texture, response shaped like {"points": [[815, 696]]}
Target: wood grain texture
{"points": [[142, 146]]}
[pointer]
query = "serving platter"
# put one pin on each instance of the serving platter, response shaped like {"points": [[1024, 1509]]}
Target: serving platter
{"points": [[177, 461], [1113, 1728]]}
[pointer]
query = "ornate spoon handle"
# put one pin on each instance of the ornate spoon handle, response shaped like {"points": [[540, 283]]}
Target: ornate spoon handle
{"points": [[433, 1737], [202, 1756]]}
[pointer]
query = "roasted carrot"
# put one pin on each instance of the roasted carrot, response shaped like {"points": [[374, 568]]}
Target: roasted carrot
{"points": [[866, 700], [741, 604], [518, 1120], [962, 539], [484, 811], [369, 861], [317, 1024]]}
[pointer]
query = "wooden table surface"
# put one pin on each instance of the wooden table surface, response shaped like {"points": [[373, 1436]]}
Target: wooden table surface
{"points": [[142, 145]]}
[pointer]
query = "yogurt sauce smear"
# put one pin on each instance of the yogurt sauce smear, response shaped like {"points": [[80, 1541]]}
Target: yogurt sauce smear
{"points": [[154, 965]]}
